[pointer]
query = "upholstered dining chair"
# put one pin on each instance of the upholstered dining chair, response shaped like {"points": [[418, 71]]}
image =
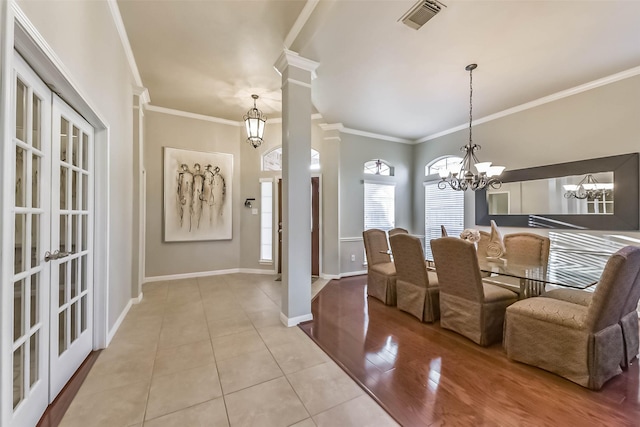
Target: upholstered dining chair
{"points": [[528, 248], [381, 272], [416, 287], [628, 317], [582, 343], [397, 230], [467, 305]]}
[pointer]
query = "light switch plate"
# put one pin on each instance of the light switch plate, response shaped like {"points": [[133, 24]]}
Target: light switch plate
{"points": [[254, 211]]}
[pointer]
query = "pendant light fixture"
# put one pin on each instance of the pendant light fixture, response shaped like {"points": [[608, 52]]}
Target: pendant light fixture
{"points": [[463, 179], [254, 121]]}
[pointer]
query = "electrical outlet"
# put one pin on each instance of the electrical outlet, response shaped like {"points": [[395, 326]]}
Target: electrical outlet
{"points": [[353, 257]]}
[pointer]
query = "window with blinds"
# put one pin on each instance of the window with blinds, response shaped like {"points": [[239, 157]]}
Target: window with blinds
{"points": [[441, 207], [379, 205]]}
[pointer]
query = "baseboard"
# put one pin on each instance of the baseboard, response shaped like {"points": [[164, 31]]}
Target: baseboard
{"points": [[207, 273], [256, 271], [353, 273], [330, 276], [293, 321], [137, 300], [116, 326]]}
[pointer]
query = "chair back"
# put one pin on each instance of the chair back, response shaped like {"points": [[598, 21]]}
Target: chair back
{"points": [[527, 248], [408, 257], [617, 289], [397, 230], [457, 268], [376, 246]]}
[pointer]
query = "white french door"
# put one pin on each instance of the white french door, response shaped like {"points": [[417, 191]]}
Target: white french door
{"points": [[70, 258], [48, 270]]}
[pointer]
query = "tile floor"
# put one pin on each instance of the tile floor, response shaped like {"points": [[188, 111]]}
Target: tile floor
{"points": [[212, 352]]}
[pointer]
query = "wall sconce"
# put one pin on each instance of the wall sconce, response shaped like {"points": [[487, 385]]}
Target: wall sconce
{"points": [[247, 202]]}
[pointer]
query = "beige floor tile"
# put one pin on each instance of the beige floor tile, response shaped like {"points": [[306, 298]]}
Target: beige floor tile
{"points": [[170, 393], [263, 319], [247, 370], [361, 411], [173, 335], [130, 348], [270, 404], [237, 344], [109, 373], [207, 414], [280, 334], [305, 423], [192, 355], [188, 307], [297, 355], [230, 325], [216, 310], [122, 406], [323, 386]]}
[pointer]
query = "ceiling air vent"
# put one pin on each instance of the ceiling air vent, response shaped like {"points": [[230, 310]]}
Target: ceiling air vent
{"points": [[420, 13]]}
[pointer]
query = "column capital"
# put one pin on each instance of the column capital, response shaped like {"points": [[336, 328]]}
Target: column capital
{"points": [[290, 58], [143, 93]]}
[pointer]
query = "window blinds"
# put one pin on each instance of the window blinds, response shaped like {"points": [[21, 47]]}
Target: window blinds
{"points": [[379, 206], [441, 207]]}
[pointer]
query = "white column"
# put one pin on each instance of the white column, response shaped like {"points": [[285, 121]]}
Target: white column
{"points": [[296, 73], [330, 164], [140, 98]]}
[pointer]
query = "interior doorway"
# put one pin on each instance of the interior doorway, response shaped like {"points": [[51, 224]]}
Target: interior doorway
{"points": [[49, 264], [315, 226]]}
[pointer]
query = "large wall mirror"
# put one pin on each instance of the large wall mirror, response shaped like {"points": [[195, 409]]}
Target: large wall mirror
{"points": [[596, 194]]}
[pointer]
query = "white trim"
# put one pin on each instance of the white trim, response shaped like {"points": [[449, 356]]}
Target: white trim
{"points": [[333, 138], [124, 39], [297, 82], [331, 126], [293, 321], [207, 273], [382, 181], [353, 273], [143, 93], [189, 115], [540, 101], [351, 239], [116, 325], [301, 21], [138, 299], [377, 136], [276, 120], [330, 276], [289, 57]]}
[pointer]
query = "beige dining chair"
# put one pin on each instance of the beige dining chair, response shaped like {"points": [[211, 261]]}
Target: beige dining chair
{"points": [[582, 343], [527, 248], [397, 230], [467, 305], [416, 287], [381, 272]]}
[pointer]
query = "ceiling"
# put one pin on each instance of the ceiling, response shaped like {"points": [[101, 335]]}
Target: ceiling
{"points": [[375, 73]]}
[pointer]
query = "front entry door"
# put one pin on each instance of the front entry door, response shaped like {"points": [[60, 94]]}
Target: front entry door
{"points": [[315, 226], [48, 256]]}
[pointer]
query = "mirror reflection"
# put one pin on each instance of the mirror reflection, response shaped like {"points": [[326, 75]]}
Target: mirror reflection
{"points": [[591, 193]]}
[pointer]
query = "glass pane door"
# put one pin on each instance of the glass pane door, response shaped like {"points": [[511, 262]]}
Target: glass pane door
{"points": [[26, 273], [71, 243]]}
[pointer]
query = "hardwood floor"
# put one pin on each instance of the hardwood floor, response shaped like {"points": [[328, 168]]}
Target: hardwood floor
{"points": [[425, 375], [54, 413]]}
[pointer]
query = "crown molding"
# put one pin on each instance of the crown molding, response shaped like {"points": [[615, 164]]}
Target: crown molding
{"points": [[377, 136], [331, 126], [143, 93], [301, 21], [124, 39], [315, 116], [541, 101], [289, 57], [189, 115]]}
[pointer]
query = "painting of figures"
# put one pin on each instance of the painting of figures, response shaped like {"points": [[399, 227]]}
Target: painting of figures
{"points": [[197, 195]]}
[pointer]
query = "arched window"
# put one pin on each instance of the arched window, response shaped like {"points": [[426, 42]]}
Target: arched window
{"points": [[378, 167], [272, 160], [450, 163]]}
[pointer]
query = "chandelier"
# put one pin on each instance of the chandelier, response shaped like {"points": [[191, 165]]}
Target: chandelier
{"points": [[464, 179], [254, 120], [588, 188]]}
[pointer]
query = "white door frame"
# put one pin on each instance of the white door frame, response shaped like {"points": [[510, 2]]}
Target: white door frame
{"points": [[17, 32]]}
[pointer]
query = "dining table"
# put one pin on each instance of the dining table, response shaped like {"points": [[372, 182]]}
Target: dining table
{"points": [[565, 269]]}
